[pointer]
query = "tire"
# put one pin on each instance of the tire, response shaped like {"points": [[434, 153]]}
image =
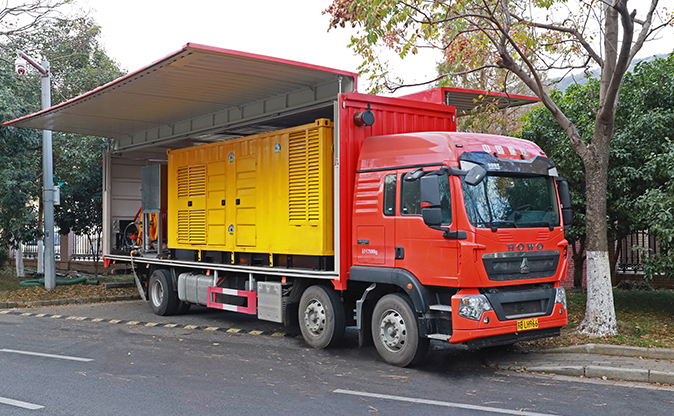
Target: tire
{"points": [[395, 332], [161, 293], [321, 317]]}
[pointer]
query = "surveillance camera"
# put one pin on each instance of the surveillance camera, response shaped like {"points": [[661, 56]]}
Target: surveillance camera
{"points": [[20, 67]]}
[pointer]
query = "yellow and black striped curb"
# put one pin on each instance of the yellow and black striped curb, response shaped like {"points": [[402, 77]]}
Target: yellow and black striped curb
{"points": [[152, 324], [69, 301]]}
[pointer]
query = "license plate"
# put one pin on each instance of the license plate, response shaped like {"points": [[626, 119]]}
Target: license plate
{"points": [[527, 324]]}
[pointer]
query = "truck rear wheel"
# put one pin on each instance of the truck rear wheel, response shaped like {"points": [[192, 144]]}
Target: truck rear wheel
{"points": [[395, 332], [321, 317], [162, 294]]}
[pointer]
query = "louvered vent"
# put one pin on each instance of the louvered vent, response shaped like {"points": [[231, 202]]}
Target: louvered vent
{"points": [[191, 181], [192, 226], [192, 222], [304, 176]]}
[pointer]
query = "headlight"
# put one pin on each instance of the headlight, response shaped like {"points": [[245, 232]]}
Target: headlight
{"points": [[560, 296], [473, 306]]}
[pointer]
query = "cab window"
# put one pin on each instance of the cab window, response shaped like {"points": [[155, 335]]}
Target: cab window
{"points": [[390, 184], [411, 198]]}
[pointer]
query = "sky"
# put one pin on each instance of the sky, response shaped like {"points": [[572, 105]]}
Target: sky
{"points": [[136, 33]]}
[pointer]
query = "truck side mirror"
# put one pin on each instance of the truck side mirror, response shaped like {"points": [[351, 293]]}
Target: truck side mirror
{"points": [[430, 196], [475, 175], [565, 201]]}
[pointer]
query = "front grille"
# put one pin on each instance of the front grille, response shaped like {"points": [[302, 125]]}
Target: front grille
{"points": [[520, 265], [521, 302]]}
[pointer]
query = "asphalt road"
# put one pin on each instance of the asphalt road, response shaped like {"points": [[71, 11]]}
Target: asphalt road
{"points": [[94, 367]]}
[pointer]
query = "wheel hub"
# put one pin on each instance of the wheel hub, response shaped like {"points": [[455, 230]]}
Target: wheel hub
{"points": [[314, 317], [157, 293], [393, 331]]}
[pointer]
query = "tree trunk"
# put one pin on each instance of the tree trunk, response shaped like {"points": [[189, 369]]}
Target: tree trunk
{"points": [[18, 254], [578, 263], [94, 254], [613, 261], [600, 317], [40, 256]]}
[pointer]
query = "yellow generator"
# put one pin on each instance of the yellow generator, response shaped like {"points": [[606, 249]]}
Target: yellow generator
{"points": [[270, 193]]}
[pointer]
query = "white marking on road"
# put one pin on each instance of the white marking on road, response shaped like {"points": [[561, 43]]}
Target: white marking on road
{"points": [[438, 403], [39, 354], [17, 403]]}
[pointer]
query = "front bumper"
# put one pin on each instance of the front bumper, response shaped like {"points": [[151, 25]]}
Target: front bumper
{"points": [[499, 325]]}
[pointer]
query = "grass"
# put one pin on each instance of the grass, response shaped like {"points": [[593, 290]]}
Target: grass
{"points": [[645, 319], [11, 291]]}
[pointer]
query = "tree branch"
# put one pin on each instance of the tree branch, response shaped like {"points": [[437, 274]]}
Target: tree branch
{"points": [[570, 30], [610, 101], [645, 30]]}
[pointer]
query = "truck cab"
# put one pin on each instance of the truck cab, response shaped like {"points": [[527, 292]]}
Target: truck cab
{"points": [[476, 220]]}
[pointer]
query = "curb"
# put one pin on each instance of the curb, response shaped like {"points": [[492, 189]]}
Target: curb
{"points": [[56, 302], [617, 350], [612, 373]]}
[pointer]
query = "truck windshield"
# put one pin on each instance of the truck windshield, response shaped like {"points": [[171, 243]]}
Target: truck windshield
{"points": [[510, 201]]}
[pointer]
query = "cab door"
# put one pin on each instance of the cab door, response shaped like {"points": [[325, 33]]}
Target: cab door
{"points": [[374, 219], [419, 249]]}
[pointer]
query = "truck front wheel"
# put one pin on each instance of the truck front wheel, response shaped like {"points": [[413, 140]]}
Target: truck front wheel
{"points": [[321, 317], [395, 332], [162, 294]]}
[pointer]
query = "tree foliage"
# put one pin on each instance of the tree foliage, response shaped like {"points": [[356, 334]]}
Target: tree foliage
{"points": [[527, 38], [78, 64], [644, 122], [651, 88], [19, 171]]}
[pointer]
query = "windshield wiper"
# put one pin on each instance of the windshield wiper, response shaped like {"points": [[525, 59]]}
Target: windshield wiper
{"points": [[539, 224], [495, 225]]}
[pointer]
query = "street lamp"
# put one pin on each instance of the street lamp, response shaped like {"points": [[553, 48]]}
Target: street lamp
{"points": [[47, 169]]}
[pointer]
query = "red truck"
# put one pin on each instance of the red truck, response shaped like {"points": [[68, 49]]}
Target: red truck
{"points": [[273, 188]]}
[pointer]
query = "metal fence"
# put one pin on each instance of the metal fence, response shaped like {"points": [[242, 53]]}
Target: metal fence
{"points": [[30, 249], [85, 248], [630, 259], [80, 247]]}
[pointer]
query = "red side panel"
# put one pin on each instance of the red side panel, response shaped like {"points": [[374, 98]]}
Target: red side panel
{"points": [[392, 116]]}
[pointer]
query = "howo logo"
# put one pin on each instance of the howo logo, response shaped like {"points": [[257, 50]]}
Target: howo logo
{"points": [[525, 247]]}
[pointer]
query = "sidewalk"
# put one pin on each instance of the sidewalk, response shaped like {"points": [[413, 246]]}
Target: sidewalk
{"points": [[615, 362]]}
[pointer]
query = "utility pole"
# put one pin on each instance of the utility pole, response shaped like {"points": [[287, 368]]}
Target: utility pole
{"points": [[47, 169]]}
